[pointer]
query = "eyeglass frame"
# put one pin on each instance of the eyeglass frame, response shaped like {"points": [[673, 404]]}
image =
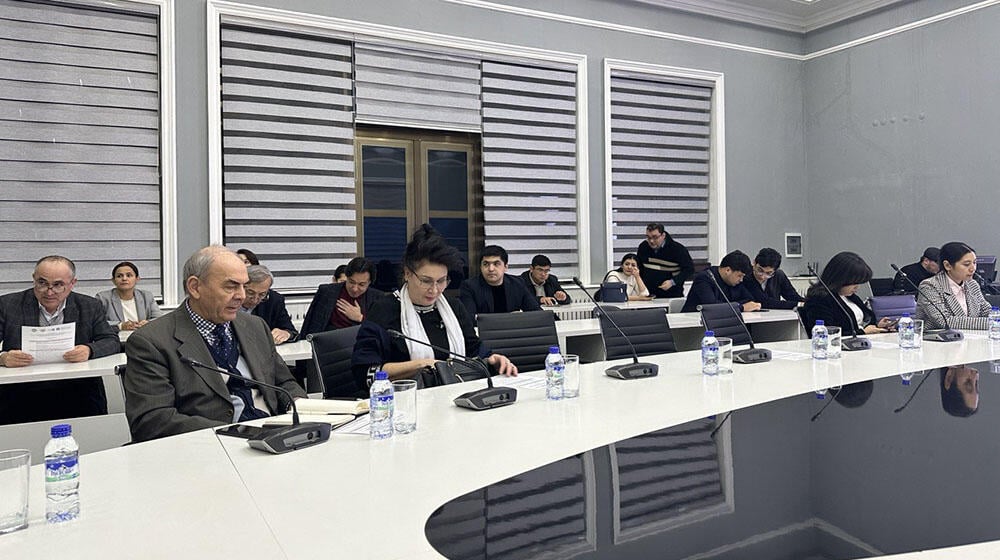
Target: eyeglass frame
{"points": [[57, 288], [757, 268], [428, 284]]}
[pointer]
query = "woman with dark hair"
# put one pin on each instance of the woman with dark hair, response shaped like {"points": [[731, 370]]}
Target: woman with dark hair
{"points": [[126, 306], [248, 257], [953, 292], [420, 311], [628, 274], [959, 390], [845, 272]]}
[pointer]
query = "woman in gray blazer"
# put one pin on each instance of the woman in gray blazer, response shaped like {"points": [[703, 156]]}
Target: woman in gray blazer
{"points": [[953, 293], [126, 306]]}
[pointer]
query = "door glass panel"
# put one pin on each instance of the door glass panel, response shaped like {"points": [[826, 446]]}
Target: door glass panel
{"points": [[384, 175], [456, 232], [385, 240], [448, 180]]}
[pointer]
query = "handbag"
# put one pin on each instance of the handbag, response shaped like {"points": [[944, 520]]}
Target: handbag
{"points": [[446, 372], [611, 292]]}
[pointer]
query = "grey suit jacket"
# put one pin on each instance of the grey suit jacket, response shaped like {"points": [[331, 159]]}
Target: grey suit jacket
{"points": [[164, 396], [934, 294], [145, 305]]}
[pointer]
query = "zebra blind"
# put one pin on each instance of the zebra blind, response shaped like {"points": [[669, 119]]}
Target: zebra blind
{"points": [[666, 474], [543, 513], [405, 87], [660, 146], [79, 141], [529, 163], [288, 152]]}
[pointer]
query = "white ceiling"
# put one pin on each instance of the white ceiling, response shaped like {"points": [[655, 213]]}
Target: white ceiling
{"points": [[799, 16]]}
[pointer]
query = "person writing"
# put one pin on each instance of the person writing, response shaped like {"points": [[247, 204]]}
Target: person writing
{"points": [[954, 292], [419, 310], [845, 272]]}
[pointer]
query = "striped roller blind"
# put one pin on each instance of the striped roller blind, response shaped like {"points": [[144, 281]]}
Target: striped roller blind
{"points": [[660, 147], [666, 474], [79, 141], [529, 164], [404, 87], [541, 513], [288, 152]]}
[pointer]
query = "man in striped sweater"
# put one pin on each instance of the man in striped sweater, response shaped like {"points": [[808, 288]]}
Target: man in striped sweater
{"points": [[664, 263]]}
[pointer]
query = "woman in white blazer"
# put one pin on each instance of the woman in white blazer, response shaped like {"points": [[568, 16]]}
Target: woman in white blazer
{"points": [[953, 293], [126, 306]]}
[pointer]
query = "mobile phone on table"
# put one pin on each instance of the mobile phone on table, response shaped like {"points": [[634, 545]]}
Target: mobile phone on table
{"points": [[240, 431]]}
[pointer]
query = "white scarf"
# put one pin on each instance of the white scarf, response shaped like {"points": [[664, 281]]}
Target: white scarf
{"points": [[410, 324]]}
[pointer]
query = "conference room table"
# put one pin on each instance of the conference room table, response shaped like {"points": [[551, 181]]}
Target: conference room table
{"points": [[199, 495]]}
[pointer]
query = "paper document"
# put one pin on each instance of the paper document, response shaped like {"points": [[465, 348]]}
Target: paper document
{"points": [[332, 419], [331, 406], [48, 344], [520, 382], [791, 356], [358, 426], [886, 345]]}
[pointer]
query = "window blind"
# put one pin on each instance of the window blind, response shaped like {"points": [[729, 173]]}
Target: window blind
{"points": [[79, 141], [529, 163], [398, 86], [288, 152], [660, 147]]}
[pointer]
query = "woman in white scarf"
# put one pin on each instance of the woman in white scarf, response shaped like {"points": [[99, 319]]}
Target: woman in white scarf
{"points": [[419, 311]]}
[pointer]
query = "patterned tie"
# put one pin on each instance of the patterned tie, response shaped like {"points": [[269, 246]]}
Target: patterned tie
{"points": [[226, 356]]}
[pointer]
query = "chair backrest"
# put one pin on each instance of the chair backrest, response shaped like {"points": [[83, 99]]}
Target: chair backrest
{"points": [[525, 338], [993, 299], [331, 351], [880, 286], [722, 318], [893, 306], [647, 329]]}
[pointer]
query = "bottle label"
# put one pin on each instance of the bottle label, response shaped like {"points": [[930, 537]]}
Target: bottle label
{"points": [[62, 468]]}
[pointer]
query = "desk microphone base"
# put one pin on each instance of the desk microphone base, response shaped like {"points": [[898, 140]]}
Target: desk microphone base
{"points": [[485, 399], [752, 356], [633, 371], [945, 335], [282, 439], [855, 343]]}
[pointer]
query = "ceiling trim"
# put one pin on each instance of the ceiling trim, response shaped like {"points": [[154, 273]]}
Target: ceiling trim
{"points": [[736, 11], [830, 16]]}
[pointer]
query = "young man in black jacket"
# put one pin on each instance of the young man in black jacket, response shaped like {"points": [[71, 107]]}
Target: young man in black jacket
{"points": [[729, 277], [540, 281], [664, 264], [495, 291], [770, 285]]}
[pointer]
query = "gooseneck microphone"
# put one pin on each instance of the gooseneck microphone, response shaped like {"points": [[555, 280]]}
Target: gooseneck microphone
{"points": [[635, 370], [276, 439], [750, 355], [855, 342], [942, 335], [480, 399]]}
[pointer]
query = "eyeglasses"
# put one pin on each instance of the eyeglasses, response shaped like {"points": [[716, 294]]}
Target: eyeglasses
{"points": [[762, 272], [428, 283], [56, 287], [260, 296]]}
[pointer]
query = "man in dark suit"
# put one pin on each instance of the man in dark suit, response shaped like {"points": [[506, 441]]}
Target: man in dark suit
{"points": [[540, 281], [165, 396], [769, 284], [729, 277], [268, 304], [52, 302], [917, 272], [343, 304], [494, 291]]}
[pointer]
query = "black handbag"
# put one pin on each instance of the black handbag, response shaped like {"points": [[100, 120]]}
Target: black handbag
{"points": [[447, 372], [611, 292]]}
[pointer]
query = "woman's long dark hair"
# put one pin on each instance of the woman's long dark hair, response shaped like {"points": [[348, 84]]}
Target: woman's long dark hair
{"points": [[844, 269], [621, 263], [953, 252]]}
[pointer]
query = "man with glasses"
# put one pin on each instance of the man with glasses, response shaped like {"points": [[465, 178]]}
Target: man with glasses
{"points": [[664, 264], [51, 301], [495, 291], [540, 281], [343, 304], [770, 286], [728, 279], [268, 304]]}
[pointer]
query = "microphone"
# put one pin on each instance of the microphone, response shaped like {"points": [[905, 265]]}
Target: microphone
{"points": [[855, 342], [635, 370], [941, 335], [750, 355], [481, 399], [277, 439]]}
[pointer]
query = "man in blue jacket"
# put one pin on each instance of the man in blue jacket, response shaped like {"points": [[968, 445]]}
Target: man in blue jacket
{"points": [[495, 291], [729, 277]]}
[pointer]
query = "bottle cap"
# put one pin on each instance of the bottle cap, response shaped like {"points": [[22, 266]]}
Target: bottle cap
{"points": [[995, 308], [553, 349], [906, 382], [709, 333], [61, 430], [820, 322], [381, 375]]}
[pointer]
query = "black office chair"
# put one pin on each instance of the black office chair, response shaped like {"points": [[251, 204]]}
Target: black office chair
{"points": [[993, 299], [881, 286], [647, 329], [525, 338], [331, 352], [722, 318]]}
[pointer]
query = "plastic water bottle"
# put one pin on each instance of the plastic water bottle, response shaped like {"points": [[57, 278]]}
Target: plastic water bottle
{"points": [[906, 376], [555, 370], [381, 404], [710, 354], [995, 323], [907, 336], [62, 475], [820, 340]]}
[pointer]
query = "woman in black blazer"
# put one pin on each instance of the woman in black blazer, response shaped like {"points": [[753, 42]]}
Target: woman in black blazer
{"points": [[844, 273]]}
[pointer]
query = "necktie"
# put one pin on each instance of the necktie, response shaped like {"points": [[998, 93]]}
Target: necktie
{"points": [[226, 356]]}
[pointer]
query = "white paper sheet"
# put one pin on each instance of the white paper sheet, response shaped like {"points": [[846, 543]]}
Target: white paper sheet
{"points": [[48, 344]]}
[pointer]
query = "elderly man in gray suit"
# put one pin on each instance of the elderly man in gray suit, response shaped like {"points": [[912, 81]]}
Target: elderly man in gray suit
{"points": [[51, 301], [166, 396]]}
